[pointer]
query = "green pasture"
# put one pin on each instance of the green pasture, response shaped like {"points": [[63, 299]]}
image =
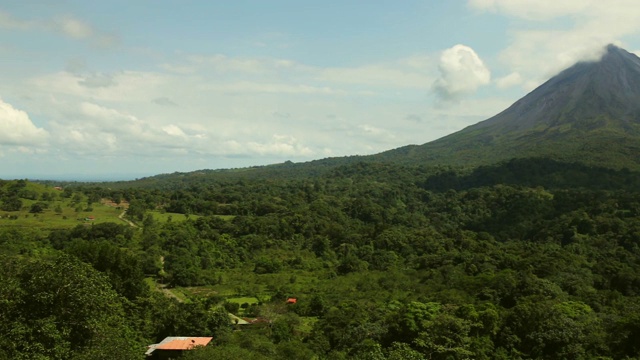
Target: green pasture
{"points": [[162, 216], [245, 286], [246, 299], [71, 214]]}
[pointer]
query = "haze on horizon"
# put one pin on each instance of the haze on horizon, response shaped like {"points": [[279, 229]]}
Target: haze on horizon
{"points": [[119, 90]]}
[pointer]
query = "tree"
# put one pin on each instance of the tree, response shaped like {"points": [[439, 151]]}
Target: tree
{"points": [[11, 204], [61, 308], [37, 208], [136, 210]]}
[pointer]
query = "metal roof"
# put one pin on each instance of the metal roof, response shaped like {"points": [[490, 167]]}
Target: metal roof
{"points": [[179, 343]]}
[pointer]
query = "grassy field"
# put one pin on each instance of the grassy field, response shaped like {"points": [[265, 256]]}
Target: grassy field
{"points": [[241, 300], [67, 216], [161, 216], [70, 214]]}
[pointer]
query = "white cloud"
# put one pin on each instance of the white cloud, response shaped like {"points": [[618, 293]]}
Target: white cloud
{"points": [[9, 22], [413, 72], [376, 134], [81, 30], [414, 118], [73, 27], [97, 80], [279, 145], [271, 88], [231, 107], [551, 35], [538, 10], [410, 72], [178, 69], [461, 73], [164, 101], [67, 25], [509, 80], [173, 130], [108, 116], [125, 86], [16, 128], [223, 63]]}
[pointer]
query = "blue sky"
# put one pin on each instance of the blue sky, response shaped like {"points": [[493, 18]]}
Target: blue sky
{"points": [[111, 90]]}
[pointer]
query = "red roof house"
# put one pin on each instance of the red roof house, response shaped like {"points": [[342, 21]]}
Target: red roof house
{"points": [[172, 346], [292, 300]]}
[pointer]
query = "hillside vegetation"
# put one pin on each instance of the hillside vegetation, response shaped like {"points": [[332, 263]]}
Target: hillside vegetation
{"points": [[527, 259]]}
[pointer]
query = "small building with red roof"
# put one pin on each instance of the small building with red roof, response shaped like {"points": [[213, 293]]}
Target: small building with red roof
{"points": [[292, 300], [173, 346]]}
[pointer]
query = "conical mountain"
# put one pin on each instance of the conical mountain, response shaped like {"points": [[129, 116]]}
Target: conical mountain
{"points": [[588, 113]]}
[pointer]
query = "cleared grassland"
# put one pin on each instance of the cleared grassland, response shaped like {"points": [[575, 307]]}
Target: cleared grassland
{"points": [[69, 215]]}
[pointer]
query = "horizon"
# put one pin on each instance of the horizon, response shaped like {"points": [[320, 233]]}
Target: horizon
{"points": [[94, 93]]}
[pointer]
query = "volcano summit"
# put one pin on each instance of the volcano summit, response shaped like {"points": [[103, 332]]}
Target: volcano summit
{"points": [[589, 113]]}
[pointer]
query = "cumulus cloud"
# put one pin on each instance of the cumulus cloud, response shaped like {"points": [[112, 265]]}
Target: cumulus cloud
{"points": [[124, 86], [97, 81], [281, 115], [509, 80], [174, 130], [107, 115], [16, 128], [461, 73], [409, 72], [164, 101], [230, 107], [281, 145], [222, 63], [66, 25], [414, 117], [9, 22], [413, 72], [539, 49], [73, 27], [81, 30], [538, 10], [98, 130], [271, 88]]}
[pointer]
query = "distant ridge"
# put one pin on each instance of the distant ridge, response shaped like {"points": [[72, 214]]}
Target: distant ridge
{"points": [[589, 113]]}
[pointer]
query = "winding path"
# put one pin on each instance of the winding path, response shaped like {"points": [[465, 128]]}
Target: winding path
{"points": [[121, 217]]}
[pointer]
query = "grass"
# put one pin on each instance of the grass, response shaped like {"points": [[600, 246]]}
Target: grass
{"points": [[150, 282], [241, 300], [71, 211], [69, 217], [180, 293], [50, 219], [161, 216], [200, 291], [167, 216]]}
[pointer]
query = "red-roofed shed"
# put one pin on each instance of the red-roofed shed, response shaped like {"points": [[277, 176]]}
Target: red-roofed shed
{"points": [[292, 300], [172, 346]]}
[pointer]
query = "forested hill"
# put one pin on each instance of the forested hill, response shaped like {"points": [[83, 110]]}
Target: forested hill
{"points": [[527, 259], [543, 172]]}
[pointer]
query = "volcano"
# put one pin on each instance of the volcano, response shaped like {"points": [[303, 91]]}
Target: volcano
{"points": [[589, 113]]}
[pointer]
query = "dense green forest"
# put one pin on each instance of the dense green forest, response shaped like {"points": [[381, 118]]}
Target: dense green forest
{"points": [[528, 259]]}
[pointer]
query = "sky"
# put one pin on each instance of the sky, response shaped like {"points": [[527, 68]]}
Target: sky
{"points": [[118, 90]]}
